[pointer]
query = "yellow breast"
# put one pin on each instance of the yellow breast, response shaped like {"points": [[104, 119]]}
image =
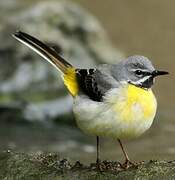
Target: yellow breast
{"points": [[136, 103]]}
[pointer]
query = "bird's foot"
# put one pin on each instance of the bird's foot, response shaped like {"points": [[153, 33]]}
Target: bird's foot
{"points": [[98, 165], [127, 164]]}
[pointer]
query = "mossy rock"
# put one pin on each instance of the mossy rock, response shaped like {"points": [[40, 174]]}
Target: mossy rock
{"points": [[49, 166]]}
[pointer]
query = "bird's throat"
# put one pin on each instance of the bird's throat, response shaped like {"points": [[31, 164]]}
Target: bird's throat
{"points": [[134, 102]]}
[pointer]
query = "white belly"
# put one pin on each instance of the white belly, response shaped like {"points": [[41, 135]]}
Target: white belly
{"points": [[103, 119]]}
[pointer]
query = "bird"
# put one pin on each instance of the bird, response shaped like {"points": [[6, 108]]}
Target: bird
{"points": [[109, 100]]}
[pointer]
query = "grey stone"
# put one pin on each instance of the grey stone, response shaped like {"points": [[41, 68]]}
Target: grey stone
{"points": [[26, 78]]}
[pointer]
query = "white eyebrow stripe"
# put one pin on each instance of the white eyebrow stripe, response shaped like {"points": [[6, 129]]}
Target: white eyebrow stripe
{"points": [[143, 70]]}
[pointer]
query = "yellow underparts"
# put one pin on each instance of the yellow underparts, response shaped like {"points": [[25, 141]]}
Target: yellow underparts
{"points": [[136, 103], [70, 80]]}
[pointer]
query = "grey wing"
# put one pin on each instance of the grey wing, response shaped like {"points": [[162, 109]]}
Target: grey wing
{"points": [[95, 82]]}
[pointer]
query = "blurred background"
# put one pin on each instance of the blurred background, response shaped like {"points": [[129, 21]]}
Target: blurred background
{"points": [[35, 109]]}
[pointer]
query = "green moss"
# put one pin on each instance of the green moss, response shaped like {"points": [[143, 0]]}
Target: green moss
{"points": [[31, 96], [5, 98]]}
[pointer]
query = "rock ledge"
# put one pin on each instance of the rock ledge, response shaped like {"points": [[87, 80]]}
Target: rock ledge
{"points": [[49, 166]]}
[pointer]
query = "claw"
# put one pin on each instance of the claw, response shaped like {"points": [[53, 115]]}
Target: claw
{"points": [[127, 164], [98, 166]]}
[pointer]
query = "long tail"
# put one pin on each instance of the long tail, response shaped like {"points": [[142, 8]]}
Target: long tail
{"points": [[69, 74]]}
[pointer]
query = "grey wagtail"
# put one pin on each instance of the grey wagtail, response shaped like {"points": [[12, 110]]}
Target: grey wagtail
{"points": [[112, 100]]}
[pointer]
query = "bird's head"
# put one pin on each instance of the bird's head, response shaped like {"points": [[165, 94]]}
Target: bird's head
{"points": [[139, 71]]}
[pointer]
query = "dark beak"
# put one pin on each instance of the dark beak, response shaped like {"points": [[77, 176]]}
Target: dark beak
{"points": [[159, 73]]}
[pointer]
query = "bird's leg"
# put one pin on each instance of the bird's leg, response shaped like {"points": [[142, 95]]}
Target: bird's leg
{"points": [[98, 154], [127, 162]]}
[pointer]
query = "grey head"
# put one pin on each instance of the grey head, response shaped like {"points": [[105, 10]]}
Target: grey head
{"points": [[136, 70]]}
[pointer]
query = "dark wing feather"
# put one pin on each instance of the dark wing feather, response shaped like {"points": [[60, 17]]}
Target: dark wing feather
{"points": [[91, 83]]}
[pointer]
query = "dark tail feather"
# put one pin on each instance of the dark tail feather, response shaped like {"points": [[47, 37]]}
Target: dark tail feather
{"points": [[43, 50]]}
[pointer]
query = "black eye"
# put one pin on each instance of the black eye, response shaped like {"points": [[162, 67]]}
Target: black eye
{"points": [[138, 72]]}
